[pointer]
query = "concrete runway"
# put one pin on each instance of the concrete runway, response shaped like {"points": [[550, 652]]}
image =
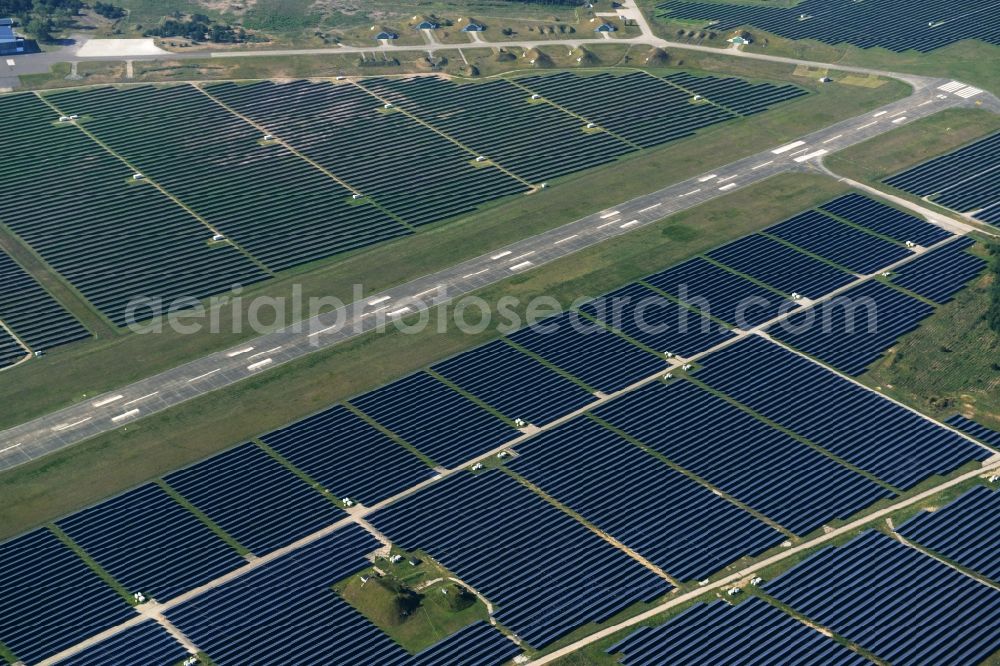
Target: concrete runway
{"points": [[65, 427]]}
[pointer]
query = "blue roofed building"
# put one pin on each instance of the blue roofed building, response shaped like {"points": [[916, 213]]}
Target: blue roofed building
{"points": [[474, 27], [427, 25], [385, 34], [605, 27], [10, 43]]}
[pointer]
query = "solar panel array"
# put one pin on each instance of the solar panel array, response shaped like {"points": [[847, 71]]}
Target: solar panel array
{"points": [[885, 220], [834, 241], [641, 108], [903, 606], [147, 643], [853, 329], [49, 599], [657, 322], [718, 292], [980, 432], [37, 318], [717, 633], [784, 479], [112, 240], [10, 350], [348, 456], [546, 573], [967, 179], [665, 516], [940, 273], [736, 95], [286, 608], [962, 531], [780, 267], [343, 128], [273, 203], [588, 351], [535, 141], [864, 428], [920, 25], [151, 544], [478, 644], [439, 421], [517, 385], [256, 500]]}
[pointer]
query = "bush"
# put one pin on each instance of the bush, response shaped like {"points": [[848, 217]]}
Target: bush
{"points": [[109, 11]]}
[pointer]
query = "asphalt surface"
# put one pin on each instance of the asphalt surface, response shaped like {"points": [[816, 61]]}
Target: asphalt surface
{"points": [[116, 409]]}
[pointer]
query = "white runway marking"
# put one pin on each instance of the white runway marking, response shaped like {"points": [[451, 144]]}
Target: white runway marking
{"points": [[611, 214], [868, 125], [65, 426], [833, 138], [727, 187], [400, 311], [816, 153], [265, 352], [464, 277], [260, 364], [520, 266], [762, 165], [194, 379], [148, 395], [787, 147], [126, 415], [501, 255], [898, 120], [108, 401], [705, 179], [239, 351], [691, 192], [880, 113], [656, 205], [380, 299], [629, 223], [563, 240]]}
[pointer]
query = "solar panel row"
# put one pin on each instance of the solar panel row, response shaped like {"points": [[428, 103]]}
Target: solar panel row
{"points": [[11, 350], [786, 480], [49, 599], [885, 220], [547, 573], [980, 432], [713, 634], [921, 25], [37, 318], [657, 322], [846, 246], [642, 109], [227, 176], [942, 272], [864, 428], [151, 544], [865, 590], [286, 608], [478, 644], [117, 242], [854, 328], [588, 351], [966, 179], [535, 141], [254, 498], [736, 95], [343, 128], [668, 518], [962, 531]]}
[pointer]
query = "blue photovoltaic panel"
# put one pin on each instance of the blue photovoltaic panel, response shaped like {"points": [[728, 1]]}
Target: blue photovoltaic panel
{"points": [[37, 318], [251, 496], [547, 573], [853, 329], [718, 292], [151, 544], [942, 272], [786, 480], [864, 591], [50, 600], [656, 321], [513, 383], [286, 608], [478, 644], [676, 523], [973, 429], [707, 634], [147, 643], [885, 220], [887, 440], [780, 267], [835, 241], [737, 95], [348, 456], [900, 25], [588, 351], [439, 421], [963, 531]]}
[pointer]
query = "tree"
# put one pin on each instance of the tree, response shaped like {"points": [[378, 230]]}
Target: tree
{"points": [[40, 28], [993, 313], [109, 11]]}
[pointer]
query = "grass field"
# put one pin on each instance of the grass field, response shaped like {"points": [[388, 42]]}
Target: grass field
{"points": [[70, 374], [950, 364], [95, 469]]}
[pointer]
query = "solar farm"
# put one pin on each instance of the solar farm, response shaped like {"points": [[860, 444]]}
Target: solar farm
{"points": [[920, 25], [613, 444], [206, 161]]}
